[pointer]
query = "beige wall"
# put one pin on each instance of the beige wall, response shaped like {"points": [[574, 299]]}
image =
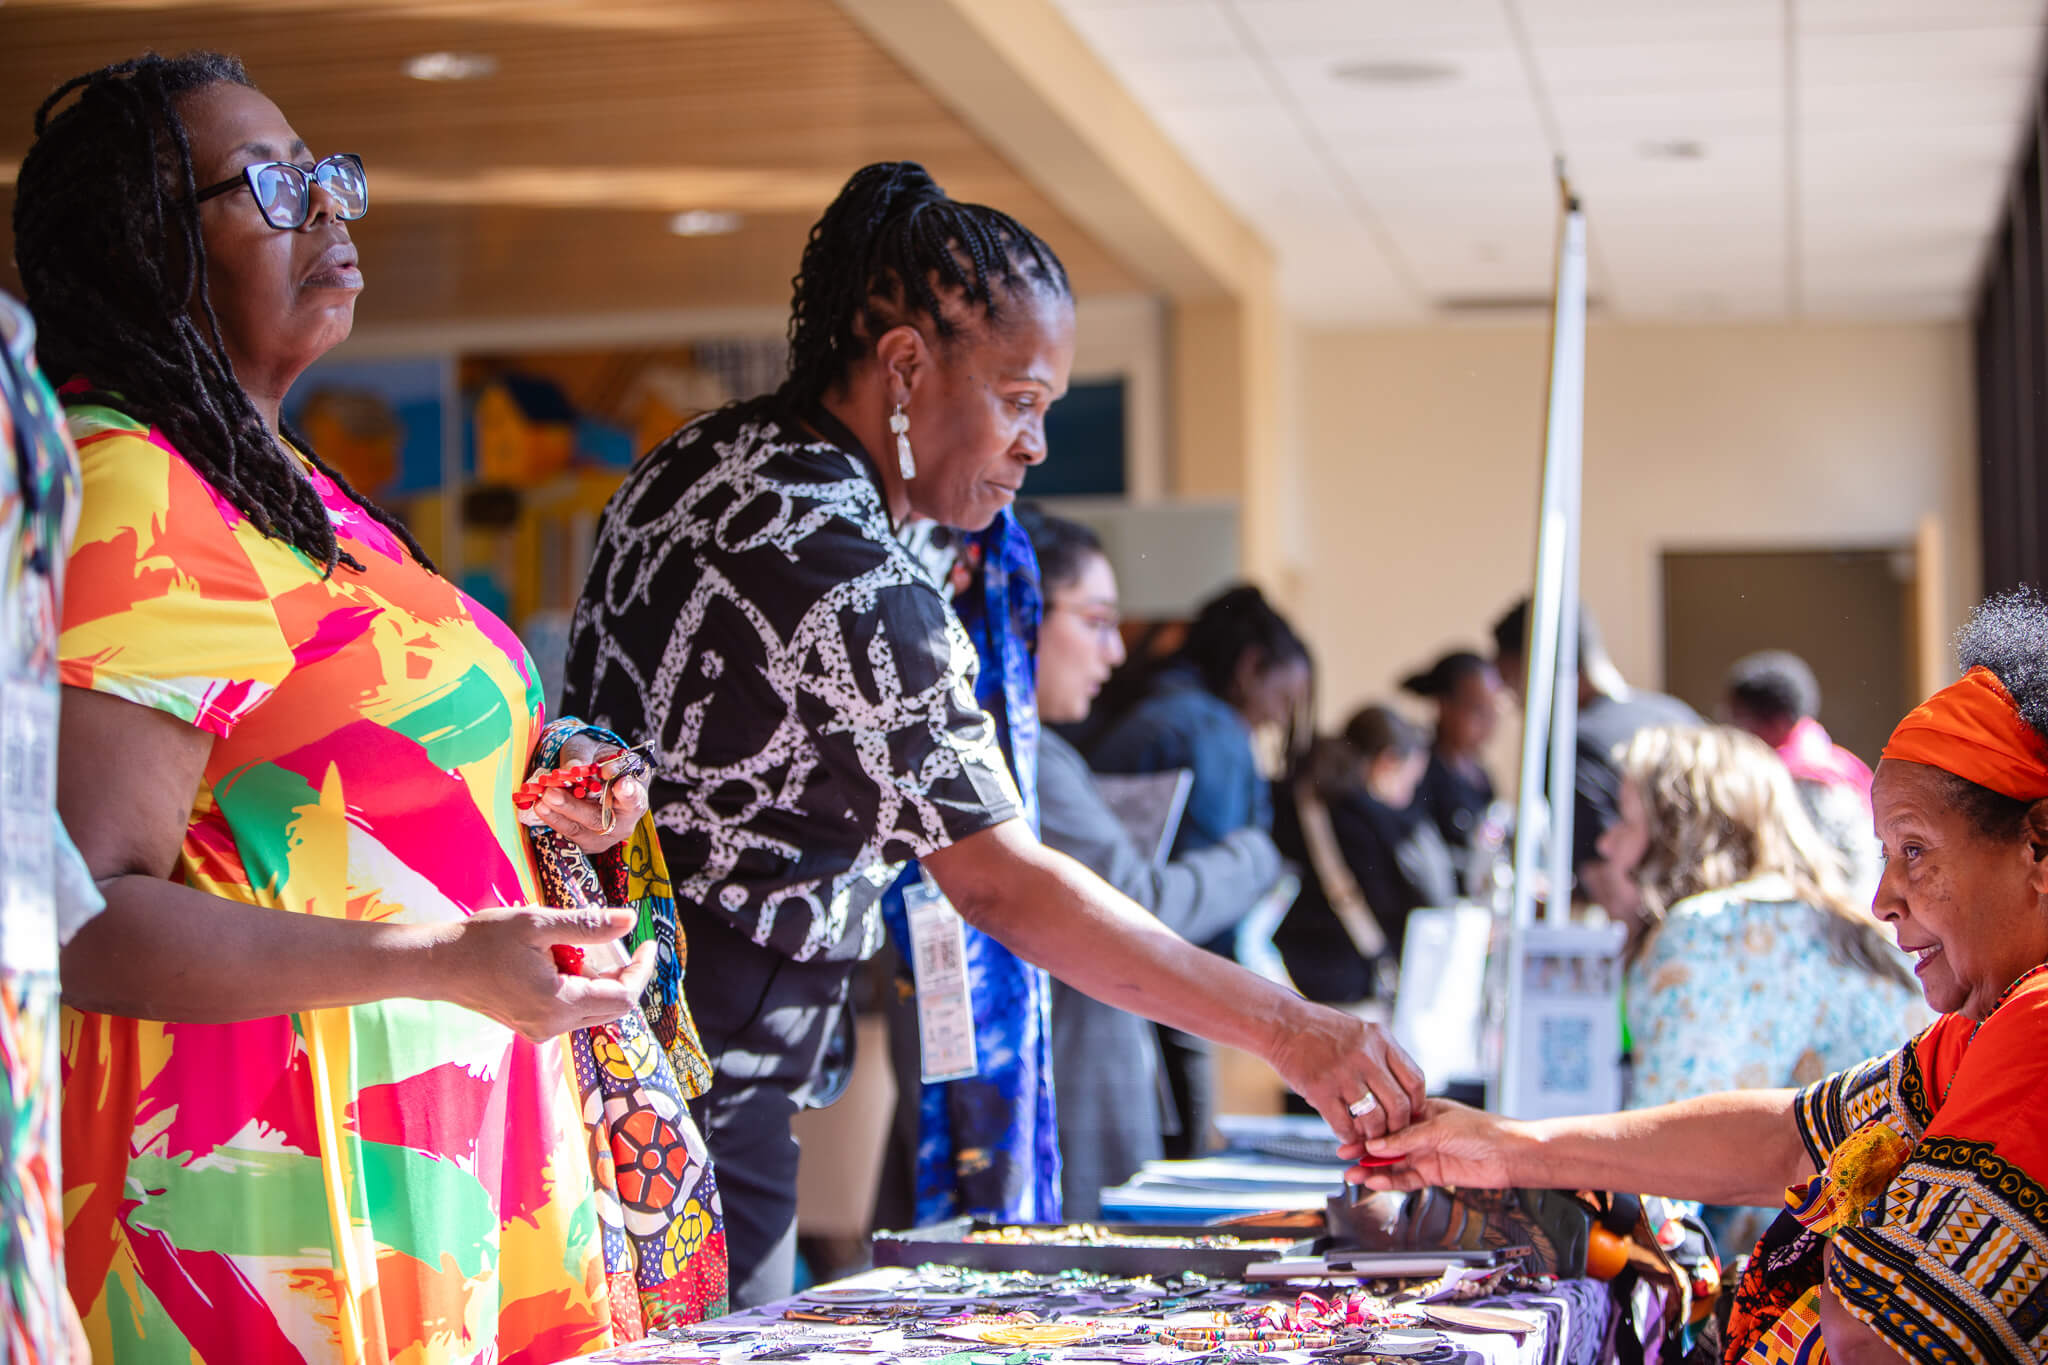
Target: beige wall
{"points": [[1420, 449]]}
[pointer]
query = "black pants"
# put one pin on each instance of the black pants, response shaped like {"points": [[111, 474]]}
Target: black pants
{"points": [[1190, 1066], [765, 1021]]}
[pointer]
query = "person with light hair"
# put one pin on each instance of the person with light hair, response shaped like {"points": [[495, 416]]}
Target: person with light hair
{"points": [[1749, 964]]}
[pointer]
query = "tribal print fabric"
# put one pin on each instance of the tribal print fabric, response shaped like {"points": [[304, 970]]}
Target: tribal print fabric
{"points": [[807, 691], [405, 1181], [657, 1200], [1950, 1263]]}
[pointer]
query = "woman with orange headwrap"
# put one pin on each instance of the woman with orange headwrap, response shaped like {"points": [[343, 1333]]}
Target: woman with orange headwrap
{"points": [[1916, 1223]]}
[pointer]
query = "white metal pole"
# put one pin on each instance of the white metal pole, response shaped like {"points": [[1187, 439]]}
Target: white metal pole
{"points": [[1550, 697], [1566, 451]]}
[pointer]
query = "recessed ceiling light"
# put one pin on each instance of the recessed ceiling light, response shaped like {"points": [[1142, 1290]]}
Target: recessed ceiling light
{"points": [[1395, 72], [451, 66], [704, 223], [1674, 149]]}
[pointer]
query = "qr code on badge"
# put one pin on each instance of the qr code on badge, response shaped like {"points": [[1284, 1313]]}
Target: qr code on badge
{"points": [[1566, 1046]]}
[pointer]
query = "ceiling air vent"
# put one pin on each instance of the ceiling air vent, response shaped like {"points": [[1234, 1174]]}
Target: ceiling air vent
{"points": [[1503, 305]]}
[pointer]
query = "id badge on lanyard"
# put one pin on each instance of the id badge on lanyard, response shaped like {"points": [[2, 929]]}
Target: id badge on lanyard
{"points": [[938, 962]]}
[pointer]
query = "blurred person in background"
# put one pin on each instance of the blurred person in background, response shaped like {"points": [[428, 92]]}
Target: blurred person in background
{"points": [[1382, 847], [1750, 965], [1773, 695], [1457, 792], [1610, 712], [289, 755], [48, 891], [1240, 672], [809, 694], [1106, 1061]]}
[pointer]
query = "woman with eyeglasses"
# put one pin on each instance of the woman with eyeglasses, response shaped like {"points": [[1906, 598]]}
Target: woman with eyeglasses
{"points": [[1106, 1061], [316, 1104]]}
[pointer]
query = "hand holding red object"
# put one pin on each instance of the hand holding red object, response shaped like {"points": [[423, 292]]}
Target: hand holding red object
{"points": [[594, 799], [507, 964]]}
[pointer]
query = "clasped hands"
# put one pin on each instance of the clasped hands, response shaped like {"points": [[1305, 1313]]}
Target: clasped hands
{"points": [[1353, 1072]]}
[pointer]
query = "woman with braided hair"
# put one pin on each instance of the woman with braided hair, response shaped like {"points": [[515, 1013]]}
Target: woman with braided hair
{"points": [[811, 695], [316, 1103]]}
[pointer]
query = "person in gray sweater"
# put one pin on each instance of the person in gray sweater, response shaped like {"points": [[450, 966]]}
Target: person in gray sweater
{"points": [[1106, 1071]]}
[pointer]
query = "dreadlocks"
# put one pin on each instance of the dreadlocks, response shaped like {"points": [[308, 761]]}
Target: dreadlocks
{"points": [[106, 235], [886, 250]]}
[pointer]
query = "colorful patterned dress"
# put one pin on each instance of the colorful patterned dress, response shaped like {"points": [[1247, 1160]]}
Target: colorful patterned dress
{"points": [[1933, 1160], [405, 1181]]}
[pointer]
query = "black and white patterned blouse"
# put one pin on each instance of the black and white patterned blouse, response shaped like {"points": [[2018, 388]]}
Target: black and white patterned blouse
{"points": [[808, 690]]}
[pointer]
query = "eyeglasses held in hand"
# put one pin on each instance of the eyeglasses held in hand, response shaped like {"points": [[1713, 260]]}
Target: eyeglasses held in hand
{"points": [[284, 191]]}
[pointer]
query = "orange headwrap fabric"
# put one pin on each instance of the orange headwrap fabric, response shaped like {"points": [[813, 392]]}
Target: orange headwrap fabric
{"points": [[1973, 729]]}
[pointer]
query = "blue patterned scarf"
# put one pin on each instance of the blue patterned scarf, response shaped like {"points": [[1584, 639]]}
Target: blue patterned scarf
{"points": [[989, 1145]]}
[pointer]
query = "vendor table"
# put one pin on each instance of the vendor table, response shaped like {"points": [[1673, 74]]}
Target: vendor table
{"points": [[944, 1315]]}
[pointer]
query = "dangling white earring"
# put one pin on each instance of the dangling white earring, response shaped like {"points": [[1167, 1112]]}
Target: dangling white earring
{"points": [[899, 422]]}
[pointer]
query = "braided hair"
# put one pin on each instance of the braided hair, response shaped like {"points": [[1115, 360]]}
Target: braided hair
{"points": [[1236, 623], [891, 248], [113, 264], [1231, 625]]}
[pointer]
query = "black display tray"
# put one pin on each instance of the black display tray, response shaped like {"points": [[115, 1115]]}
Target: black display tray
{"points": [[946, 1244]]}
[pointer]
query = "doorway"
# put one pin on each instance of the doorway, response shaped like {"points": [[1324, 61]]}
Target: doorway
{"points": [[1848, 613]]}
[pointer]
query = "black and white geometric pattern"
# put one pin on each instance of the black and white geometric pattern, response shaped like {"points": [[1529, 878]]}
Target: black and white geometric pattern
{"points": [[808, 691]]}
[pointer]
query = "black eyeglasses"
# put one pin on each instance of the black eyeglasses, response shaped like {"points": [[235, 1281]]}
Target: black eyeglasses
{"points": [[284, 192]]}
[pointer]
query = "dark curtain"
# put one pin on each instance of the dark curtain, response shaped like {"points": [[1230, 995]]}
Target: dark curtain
{"points": [[2011, 328]]}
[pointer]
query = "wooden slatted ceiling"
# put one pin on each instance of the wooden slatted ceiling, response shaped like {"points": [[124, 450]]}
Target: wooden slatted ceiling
{"points": [[547, 187]]}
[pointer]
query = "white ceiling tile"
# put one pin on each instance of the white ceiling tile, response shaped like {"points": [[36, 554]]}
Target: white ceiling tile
{"points": [[1482, 73], [1986, 104], [1907, 118], [1192, 28], [1413, 119], [1638, 21], [1667, 114], [1204, 81], [1962, 55], [1391, 29], [1514, 150], [1874, 16], [1632, 68]]}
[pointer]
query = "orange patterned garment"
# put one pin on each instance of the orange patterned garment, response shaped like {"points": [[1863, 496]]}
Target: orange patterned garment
{"points": [[1949, 1262]]}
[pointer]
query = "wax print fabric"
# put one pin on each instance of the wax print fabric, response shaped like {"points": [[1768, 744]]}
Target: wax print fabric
{"points": [[1948, 1261], [45, 890], [405, 1181], [989, 1144], [661, 1222]]}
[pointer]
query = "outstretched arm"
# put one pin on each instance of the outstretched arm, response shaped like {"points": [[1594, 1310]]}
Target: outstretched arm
{"points": [[1737, 1147], [1048, 909]]}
